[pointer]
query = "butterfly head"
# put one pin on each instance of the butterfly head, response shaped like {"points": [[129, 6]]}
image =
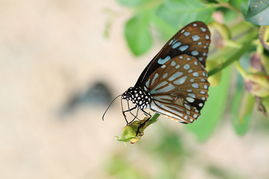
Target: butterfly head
{"points": [[138, 96]]}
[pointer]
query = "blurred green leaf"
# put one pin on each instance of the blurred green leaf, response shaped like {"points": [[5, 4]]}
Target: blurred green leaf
{"points": [[223, 1], [180, 12], [242, 107], [242, 5], [258, 12], [213, 109], [137, 34], [131, 3], [119, 167]]}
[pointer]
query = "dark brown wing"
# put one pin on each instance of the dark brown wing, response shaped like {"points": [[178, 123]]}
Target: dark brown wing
{"points": [[193, 40], [179, 88]]}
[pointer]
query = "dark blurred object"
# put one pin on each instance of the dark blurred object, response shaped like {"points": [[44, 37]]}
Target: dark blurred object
{"points": [[97, 94]]}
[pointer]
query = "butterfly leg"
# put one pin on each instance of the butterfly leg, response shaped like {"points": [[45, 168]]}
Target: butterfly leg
{"points": [[128, 110], [142, 124], [135, 116]]}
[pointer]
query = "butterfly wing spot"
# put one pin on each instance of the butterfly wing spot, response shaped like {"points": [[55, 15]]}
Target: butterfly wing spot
{"points": [[164, 60], [195, 52], [163, 66], [195, 37], [189, 99], [206, 37], [180, 57], [183, 48], [205, 86], [176, 45], [195, 85], [202, 92], [177, 67], [175, 75], [165, 75], [190, 71], [173, 63], [196, 74], [192, 95], [186, 33], [194, 25], [203, 29], [154, 78], [180, 81], [186, 67], [201, 104], [199, 43]]}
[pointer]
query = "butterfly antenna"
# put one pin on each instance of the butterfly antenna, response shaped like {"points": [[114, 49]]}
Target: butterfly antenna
{"points": [[103, 117]]}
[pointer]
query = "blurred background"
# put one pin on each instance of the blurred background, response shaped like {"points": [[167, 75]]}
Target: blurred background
{"points": [[63, 61]]}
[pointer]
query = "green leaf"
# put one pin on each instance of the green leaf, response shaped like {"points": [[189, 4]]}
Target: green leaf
{"points": [[242, 5], [137, 34], [242, 107], [213, 110], [258, 12], [181, 12], [131, 3]]}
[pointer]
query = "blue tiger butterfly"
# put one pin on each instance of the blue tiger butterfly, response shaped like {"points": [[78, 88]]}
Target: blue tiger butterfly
{"points": [[175, 82]]}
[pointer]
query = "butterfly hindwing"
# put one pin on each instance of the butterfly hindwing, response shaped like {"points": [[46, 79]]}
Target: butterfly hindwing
{"points": [[179, 88], [193, 40]]}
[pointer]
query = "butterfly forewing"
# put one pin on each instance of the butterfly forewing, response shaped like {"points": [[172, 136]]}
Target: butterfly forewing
{"points": [[193, 40], [179, 88]]}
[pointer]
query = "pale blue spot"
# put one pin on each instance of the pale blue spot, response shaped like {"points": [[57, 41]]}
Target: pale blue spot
{"points": [[195, 85], [192, 80], [204, 54], [180, 80], [163, 90], [163, 66], [199, 43], [183, 48], [190, 71], [162, 61], [195, 74], [195, 63], [195, 37], [173, 63], [187, 66], [191, 100], [189, 90], [202, 80], [154, 78], [195, 52], [201, 58], [205, 86], [203, 98], [160, 85], [206, 37], [194, 25], [175, 75], [177, 67], [188, 58], [203, 29], [205, 46], [192, 95], [186, 34], [176, 45], [195, 116], [202, 92], [165, 75], [201, 104]]}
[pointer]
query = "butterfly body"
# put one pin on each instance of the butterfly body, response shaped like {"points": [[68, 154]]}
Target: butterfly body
{"points": [[175, 82]]}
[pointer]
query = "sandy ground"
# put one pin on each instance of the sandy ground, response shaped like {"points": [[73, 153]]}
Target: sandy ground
{"points": [[49, 48]]}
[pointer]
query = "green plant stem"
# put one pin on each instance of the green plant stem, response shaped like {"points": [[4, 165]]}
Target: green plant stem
{"points": [[236, 56]]}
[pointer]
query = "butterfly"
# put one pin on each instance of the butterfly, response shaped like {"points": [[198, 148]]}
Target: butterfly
{"points": [[175, 82]]}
